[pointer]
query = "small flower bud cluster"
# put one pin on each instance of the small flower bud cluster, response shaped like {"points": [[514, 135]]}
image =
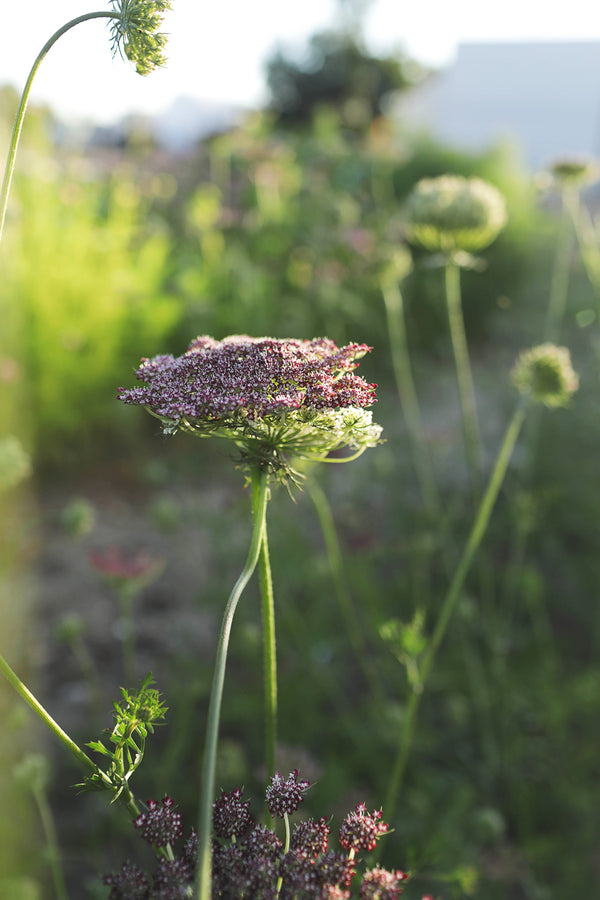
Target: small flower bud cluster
{"points": [[545, 374], [276, 399], [250, 861], [452, 213]]}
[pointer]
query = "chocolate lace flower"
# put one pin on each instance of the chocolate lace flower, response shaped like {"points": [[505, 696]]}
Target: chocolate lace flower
{"points": [[285, 795], [361, 829], [231, 814], [161, 825], [381, 884], [277, 400]]}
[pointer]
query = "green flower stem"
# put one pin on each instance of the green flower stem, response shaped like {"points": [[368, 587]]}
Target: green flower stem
{"points": [[451, 599], [466, 391], [559, 284], [396, 325], [52, 850], [46, 718], [204, 877], [269, 644], [125, 797], [18, 126]]}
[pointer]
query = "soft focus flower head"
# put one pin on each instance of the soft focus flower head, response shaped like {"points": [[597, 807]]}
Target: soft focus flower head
{"points": [[546, 375], [135, 33], [361, 829], [277, 400], [574, 171], [452, 213], [284, 795]]}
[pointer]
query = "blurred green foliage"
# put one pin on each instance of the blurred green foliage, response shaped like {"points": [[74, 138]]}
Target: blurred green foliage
{"points": [[265, 232]]}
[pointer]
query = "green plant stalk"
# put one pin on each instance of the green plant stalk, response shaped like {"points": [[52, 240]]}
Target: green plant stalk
{"points": [[269, 643], [46, 718], [466, 391], [204, 875], [126, 797], [52, 849], [559, 284], [396, 326], [20, 117], [451, 599]]}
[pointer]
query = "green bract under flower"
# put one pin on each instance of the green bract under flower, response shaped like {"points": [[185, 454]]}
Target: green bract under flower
{"points": [[277, 400], [135, 33], [545, 374], [452, 213]]}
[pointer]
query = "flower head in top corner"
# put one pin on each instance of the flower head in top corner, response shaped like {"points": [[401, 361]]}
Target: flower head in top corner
{"points": [[135, 33], [451, 213], [546, 375], [277, 400]]}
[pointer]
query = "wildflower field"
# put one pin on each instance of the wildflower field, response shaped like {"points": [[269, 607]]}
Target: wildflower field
{"points": [[412, 675]]}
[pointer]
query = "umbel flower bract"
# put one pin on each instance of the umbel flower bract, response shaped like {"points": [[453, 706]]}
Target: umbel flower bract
{"points": [[452, 213], [277, 400]]}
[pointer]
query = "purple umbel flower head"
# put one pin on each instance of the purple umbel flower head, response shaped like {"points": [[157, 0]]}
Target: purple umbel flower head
{"points": [[361, 829], [231, 814], [161, 825], [276, 399], [285, 795]]}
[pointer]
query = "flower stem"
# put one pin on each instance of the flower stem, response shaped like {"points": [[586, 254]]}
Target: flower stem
{"points": [[46, 718], [450, 600], [18, 126], [204, 877], [269, 643], [464, 377], [396, 325], [559, 285]]}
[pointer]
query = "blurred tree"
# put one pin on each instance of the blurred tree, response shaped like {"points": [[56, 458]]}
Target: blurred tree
{"points": [[337, 71]]}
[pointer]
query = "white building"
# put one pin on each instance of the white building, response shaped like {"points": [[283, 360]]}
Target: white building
{"points": [[543, 97]]}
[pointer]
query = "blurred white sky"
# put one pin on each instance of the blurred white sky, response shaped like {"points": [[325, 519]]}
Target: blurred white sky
{"points": [[217, 49]]}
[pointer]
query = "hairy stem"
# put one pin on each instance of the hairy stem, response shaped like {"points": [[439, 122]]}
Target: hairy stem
{"points": [[204, 876]]}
